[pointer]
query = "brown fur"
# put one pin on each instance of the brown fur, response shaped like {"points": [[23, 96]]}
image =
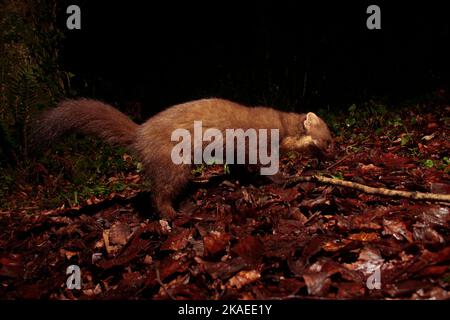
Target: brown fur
{"points": [[151, 141]]}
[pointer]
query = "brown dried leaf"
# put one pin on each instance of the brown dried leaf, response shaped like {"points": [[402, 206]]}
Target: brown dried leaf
{"points": [[335, 245], [398, 229], [249, 248], [119, 233], [364, 236], [318, 283], [243, 278], [215, 243], [178, 240]]}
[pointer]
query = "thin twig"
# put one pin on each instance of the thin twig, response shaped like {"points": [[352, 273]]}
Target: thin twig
{"points": [[158, 279], [339, 161], [371, 190]]}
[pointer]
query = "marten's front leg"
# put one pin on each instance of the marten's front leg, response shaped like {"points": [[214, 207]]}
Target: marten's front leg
{"points": [[163, 204]]}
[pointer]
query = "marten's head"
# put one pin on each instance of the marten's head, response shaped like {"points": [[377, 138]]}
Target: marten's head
{"points": [[315, 138]]}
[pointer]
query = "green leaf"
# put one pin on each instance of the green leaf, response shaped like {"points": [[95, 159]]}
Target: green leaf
{"points": [[405, 140], [75, 198], [429, 163], [338, 175], [446, 278], [350, 122]]}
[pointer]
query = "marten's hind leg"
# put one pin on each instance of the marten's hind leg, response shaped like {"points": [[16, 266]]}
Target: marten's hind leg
{"points": [[167, 185]]}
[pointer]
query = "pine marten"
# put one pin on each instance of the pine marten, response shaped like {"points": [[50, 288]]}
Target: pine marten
{"points": [[151, 141]]}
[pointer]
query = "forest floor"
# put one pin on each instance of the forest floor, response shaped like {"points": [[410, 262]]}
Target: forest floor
{"points": [[244, 237]]}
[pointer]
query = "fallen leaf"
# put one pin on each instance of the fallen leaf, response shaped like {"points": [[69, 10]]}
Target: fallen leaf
{"points": [[398, 229], [243, 278], [119, 233], [215, 243]]}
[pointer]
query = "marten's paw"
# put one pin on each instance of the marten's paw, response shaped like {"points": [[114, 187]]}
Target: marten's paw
{"points": [[167, 212]]}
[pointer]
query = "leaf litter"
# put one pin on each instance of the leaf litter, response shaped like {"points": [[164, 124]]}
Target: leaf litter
{"points": [[253, 238]]}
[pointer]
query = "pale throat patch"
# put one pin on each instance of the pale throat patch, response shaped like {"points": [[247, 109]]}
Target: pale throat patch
{"points": [[293, 143]]}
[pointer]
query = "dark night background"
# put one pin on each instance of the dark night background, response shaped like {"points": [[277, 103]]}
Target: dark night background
{"points": [[256, 52]]}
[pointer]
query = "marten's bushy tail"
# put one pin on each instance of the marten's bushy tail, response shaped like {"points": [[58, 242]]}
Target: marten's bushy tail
{"points": [[88, 116]]}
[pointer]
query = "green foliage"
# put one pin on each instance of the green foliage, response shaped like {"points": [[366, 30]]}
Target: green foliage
{"points": [[86, 167], [428, 163], [405, 140], [443, 164], [7, 180], [446, 278], [198, 169], [331, 118], [75, 198], [395, 122], [370, 114], [414, 152], [139, 167], [338, 175], [31, 76]]}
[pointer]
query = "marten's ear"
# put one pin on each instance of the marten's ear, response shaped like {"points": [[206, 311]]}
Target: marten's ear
{"points": [[311, 121]]}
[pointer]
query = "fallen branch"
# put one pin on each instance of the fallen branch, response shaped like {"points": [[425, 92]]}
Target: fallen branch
{"points": [[371, 190]]}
